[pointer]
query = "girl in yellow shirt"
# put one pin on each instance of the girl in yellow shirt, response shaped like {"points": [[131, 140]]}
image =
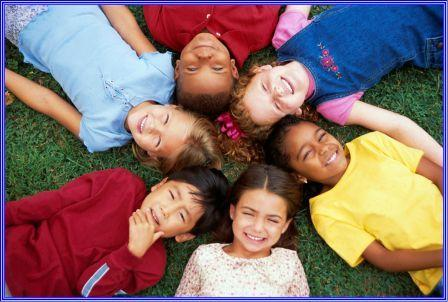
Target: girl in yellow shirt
{"points": [[381, 200]]}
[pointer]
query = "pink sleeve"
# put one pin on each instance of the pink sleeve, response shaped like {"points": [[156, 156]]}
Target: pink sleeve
{"points": [[338, 110], [290, 23]]}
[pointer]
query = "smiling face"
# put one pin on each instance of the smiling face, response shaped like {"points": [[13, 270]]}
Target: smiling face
{"points": [[160, 130], [205, 66], [174, 208], [259, 219], [275, 92], [315, 154]]}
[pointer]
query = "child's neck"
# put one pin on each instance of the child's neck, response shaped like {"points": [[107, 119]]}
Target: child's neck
{"points": [[236, 250]]}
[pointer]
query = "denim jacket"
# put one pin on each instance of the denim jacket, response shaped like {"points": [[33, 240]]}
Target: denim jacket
{"points": [[350, 48]]}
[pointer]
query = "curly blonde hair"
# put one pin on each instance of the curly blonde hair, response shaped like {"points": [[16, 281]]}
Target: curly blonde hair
{"points": [[201, 149]]}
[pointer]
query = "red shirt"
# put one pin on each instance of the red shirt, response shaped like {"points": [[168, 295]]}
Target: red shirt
{"points": [[73, 241], [242, 28]]}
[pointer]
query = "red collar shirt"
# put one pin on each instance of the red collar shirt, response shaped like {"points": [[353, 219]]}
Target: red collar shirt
{"points": [[242, 28]]}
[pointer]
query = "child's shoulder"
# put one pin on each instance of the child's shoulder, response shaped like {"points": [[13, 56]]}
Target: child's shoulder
{"points": [[208, 251], [283, 253]]}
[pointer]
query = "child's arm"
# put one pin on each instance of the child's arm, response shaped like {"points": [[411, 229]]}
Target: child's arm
{"points": [[125, 24], [132, 267], [293, 20], [190, 284], [402, 260], [33, 209], [304, 9], [431, 171], [43, 100], [396, 126]]}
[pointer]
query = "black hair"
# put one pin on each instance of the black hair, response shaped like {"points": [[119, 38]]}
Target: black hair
{"points": [[274, 149], [273, 180], [212, 186], [210, 105]]}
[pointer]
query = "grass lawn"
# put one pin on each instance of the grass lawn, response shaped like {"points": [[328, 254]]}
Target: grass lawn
{"points": [[42, 155]]}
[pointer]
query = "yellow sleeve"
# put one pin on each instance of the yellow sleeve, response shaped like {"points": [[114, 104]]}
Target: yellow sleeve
{"points": [[346, 239], [394, 149]]}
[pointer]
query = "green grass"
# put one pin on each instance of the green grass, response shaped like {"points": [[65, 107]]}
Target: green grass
{"points": [[42, 155]]}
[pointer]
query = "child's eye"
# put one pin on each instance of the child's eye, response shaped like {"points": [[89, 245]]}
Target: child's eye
{"points": [[182, 216], [306, 154], [248, 214], [273, 220], [263, 86], [171, 194], [166, 119], [322, 136], [159, 140], [217, 68], [191, 68]]}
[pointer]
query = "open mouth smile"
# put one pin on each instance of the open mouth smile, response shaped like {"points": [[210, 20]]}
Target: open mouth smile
{"points": [[141, 123], [288, 85], [255, 238], [154, 216], [332, 158]]}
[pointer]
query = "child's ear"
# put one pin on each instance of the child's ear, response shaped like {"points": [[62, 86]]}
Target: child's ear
{"points": [[298, 112], [161, 183], [234, 69], [232, 211], [299, 178], [184, 237], [176, 70], [285, 227], [262, 68]]}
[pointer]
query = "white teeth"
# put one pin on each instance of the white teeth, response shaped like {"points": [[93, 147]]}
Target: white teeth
{"points": [[287, 85], [143, 124], [254, 237], [331, 159]]}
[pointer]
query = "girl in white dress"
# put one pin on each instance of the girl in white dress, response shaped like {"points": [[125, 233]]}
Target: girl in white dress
{"points": [[258, 255]]}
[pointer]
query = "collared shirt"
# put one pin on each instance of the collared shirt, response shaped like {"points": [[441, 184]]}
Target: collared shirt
{"points": [[100, 73], [242, 28]]}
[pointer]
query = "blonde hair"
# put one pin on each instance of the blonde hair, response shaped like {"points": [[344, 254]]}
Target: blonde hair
{"points": [[200, 149]]}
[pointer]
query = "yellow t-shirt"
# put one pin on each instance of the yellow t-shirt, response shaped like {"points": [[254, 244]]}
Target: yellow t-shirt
{"points": [[380, 197]]}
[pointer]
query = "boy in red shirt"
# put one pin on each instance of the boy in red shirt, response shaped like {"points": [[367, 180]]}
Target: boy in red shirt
{"points": [[98, 234], [207, 37]]}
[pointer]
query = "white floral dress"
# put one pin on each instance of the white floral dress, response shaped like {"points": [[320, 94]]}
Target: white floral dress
{"points": [[213, 273]]}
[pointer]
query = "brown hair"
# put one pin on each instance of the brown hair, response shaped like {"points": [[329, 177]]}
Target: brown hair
{"points": [[201, 149], [242, 116], [273, 180]]}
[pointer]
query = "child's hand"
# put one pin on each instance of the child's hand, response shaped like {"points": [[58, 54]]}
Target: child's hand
{"points": [[141, 233]]}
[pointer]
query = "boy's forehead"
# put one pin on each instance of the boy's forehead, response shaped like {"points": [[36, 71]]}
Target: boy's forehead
{"points": [[184, 189]]}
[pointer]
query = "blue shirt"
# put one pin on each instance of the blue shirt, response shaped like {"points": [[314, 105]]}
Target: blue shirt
{"points": [[101, 74]]}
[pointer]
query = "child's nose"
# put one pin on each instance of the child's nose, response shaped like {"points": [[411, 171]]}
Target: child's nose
{"points": [[204, 53], [258, 224]]}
